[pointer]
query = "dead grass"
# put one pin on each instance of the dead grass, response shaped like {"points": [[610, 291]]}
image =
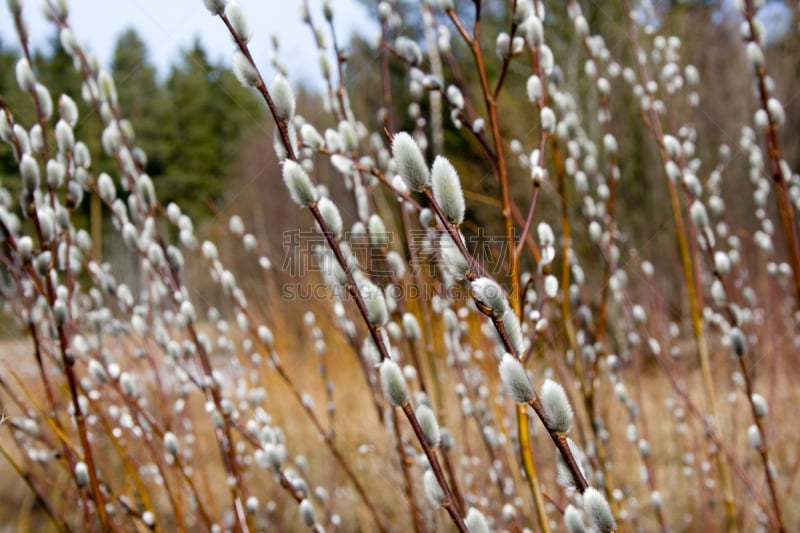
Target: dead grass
{"points": [[681, 460]]}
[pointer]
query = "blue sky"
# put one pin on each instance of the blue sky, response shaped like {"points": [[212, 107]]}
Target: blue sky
{"points": [[170, 25]]}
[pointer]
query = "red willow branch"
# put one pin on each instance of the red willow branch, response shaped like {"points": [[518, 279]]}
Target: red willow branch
{"points": [[351, 285], [780, 182]]}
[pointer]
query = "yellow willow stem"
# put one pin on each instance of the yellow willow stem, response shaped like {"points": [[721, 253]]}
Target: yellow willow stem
{"points": [[38, 495], [702, 351], [530, 468], [587, 387], [513, 262]]}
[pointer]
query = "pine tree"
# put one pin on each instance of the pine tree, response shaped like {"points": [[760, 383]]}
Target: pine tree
{"points": [[142, 99], [210, 112]]}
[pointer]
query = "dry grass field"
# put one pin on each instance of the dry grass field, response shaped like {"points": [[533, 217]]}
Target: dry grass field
{"points": [[681, 459]]}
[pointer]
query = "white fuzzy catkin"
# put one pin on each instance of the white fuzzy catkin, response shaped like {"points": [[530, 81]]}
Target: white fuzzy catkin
{"points": [[251, 504], [282, 98], [378, 235], [502, 44], [754, 437], [432, 488], [111, 139], [374, 302], [596, 508], [476, 522], [513, 329], [672, 146], [548, 120], [515, 379], [428, 423], [25, 248], [408, 50], [489, 293], [239, 22], [171, 443], [97, 371], [146, 189], [236, 225], [47, 224], [722, 262], [266, 336], [275, 454], [556, 406], [68, 41], [311, 137], [45, 100], [447, 190], [573, 520], [187, 310], [699, 214], [307, 513], [545, 233], [65, 137], [20, 133], [759, 405], [509, 513], [452, 258], [410, 327], [108, 89], [81, 474], [215, 6], [244, 70], [410, 161], [775, 109], [83, 159], [348, 136], [384, 11], [299, 184], [29, 170], [6, 132], [334, 274], [755, 55], [534, 30], [656, 499], [455, 97], [331, 216], [394, 385], [610, 144], [431, 83], [534, 88], [37, 138], [106, 188], [25, 76], [397, 263], [551, 286]]}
